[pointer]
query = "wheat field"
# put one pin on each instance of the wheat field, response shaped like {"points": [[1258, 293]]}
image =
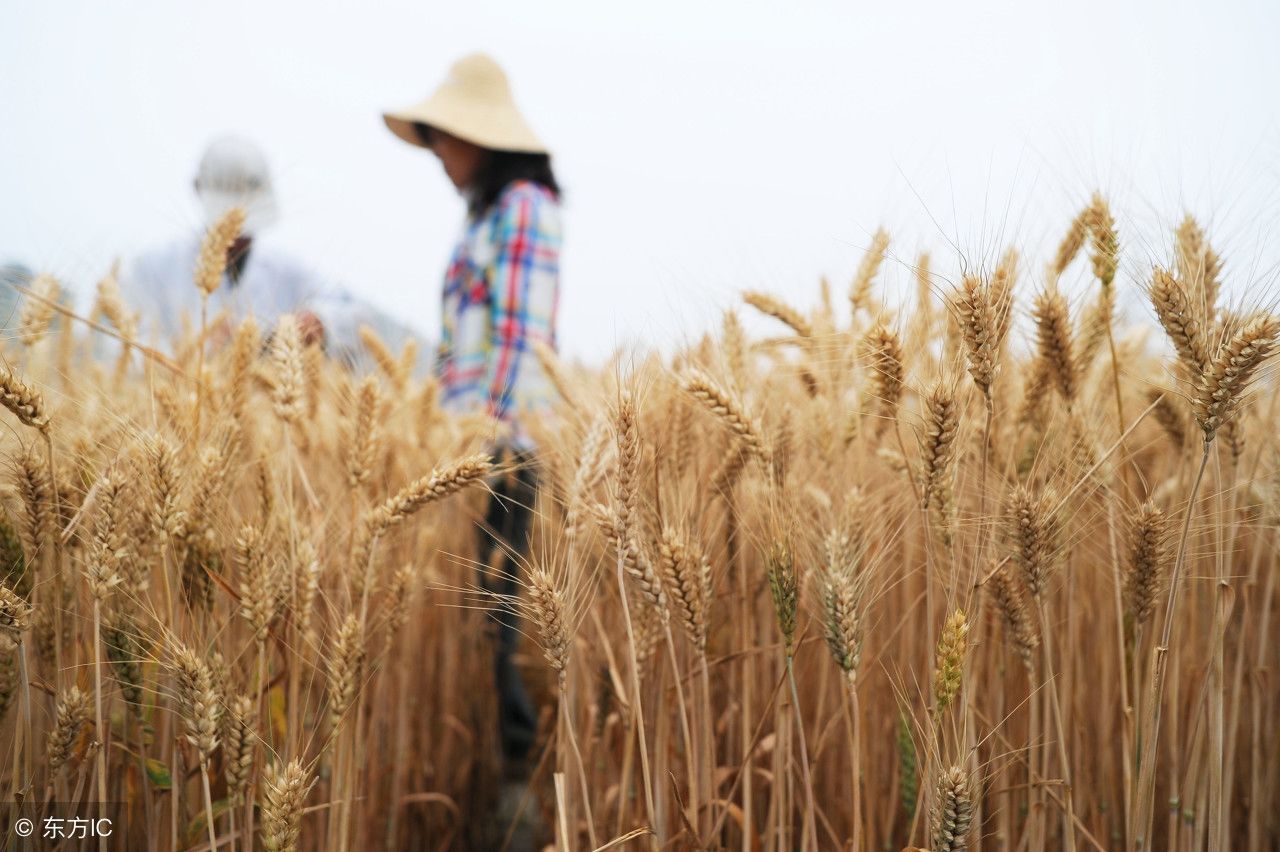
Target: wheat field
{"points": [[993, 569]]}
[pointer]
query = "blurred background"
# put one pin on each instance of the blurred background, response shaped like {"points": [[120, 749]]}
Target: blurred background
{"points": [[704, 147]]}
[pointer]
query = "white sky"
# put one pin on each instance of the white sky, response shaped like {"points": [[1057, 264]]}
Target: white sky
{"points": [[705, 147]]}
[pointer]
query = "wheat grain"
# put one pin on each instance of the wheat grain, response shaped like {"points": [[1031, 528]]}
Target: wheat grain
{"points": [[38, 309], [784, 587], [1148, 561], [972, 308], [30, 480], [1106, 243], [949, 670], [22, 400], [1175, 312], [15, 614], [780, 311], [239, 739], [262, 581], [884, 353], [1032, 529], [284, 792], [1071, 243], [364, 435], [70, 718], [1010, 598], [684, 571], [860, 289], [729, 410], [952, 811], [1053, 334], [107, 549], [346, 663], [937, 447], [1225, 382], [290, 377], [839, 597], [1199, 266], [198, 701], [550, 612]]}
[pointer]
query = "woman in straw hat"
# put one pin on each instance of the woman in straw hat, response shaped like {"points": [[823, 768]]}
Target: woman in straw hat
{"points": [[500, 294]]}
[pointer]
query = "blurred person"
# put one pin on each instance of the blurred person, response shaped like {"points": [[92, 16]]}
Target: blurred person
{"points": [[12, 276], [499, 298], [259, 280]]}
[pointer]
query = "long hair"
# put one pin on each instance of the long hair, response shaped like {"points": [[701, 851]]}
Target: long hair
{"points": [[500, 169]]}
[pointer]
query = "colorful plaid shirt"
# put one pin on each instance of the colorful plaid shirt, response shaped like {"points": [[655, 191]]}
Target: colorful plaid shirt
{"points": [[500, 296]]}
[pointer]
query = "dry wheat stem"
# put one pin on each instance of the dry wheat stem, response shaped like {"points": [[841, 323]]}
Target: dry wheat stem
{"points": [[1145, 802]]}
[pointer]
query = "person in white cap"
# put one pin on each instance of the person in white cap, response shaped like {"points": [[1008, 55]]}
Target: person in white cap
{"points": [[232, 172], [500, 296], [259, 280]]}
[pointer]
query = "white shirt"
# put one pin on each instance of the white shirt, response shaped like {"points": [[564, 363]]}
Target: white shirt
{"points": [[160, 285]]}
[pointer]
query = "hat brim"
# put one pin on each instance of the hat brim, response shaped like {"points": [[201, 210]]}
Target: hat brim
{"points": [[404, 128], [500, 129]]}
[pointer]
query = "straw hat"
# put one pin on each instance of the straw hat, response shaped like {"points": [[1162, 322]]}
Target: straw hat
{"points": [[474, 103]]}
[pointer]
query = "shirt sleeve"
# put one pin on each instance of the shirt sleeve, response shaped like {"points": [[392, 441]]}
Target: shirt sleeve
{"points": [[524, 280]]}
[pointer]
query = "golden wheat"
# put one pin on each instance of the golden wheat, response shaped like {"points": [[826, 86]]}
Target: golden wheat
{"points": [[849, 609]]}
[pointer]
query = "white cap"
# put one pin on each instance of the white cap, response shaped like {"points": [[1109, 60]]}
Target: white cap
{"points": [[233, 173]]}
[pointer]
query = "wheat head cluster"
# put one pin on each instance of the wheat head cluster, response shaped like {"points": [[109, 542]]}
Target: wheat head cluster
{"points": [[991, 569]]}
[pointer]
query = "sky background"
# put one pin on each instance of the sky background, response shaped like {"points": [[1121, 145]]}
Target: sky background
{"points": [[705, 148]]}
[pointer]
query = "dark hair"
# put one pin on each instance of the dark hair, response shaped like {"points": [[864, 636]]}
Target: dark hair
{"points": [[499, 170]]}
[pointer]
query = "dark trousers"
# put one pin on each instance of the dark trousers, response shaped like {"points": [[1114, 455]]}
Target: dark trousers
{"points": [[504, 542]]}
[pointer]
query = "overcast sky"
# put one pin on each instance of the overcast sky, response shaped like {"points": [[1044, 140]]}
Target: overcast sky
{"points": [[705, 147]]}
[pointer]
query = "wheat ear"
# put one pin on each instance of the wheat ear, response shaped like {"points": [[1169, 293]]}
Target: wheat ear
{"points": [[1032, 529], [780, 311], [1224, 384], [1053, 334], [284, 792], [860, 289], [22, 400], [1011, 600], [729, 410], [212, 260], [952, 811]]}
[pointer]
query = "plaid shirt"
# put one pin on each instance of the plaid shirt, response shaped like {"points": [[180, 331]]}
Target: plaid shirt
{"points": [[500, 295]]}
